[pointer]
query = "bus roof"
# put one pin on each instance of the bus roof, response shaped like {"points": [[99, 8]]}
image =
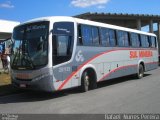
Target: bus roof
{"points": [[87, 22]]}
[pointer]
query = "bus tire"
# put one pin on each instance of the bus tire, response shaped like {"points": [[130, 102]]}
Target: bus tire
{"points": [[93, 80], [140, 73], [85, 82], [89, 80]]}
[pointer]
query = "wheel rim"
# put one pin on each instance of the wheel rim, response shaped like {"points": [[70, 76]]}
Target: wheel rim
{"points": [[141, 71], [86, 82]]}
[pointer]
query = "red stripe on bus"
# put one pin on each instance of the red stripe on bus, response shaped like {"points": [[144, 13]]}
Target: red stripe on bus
{"points": [[73, 73], [152, 63], [65, 81], [122, 67]]}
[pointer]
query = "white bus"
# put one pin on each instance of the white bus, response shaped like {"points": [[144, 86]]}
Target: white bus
{"points": [[56, 53]]}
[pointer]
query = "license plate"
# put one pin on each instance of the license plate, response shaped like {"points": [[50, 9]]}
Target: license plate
{"points": [[22, 76], [23, 85]]}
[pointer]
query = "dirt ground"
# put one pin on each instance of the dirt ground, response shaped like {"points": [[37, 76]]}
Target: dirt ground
{"points": [[5, 79]]}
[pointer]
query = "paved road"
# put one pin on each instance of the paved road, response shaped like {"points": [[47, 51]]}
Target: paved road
{"points": [[123, 95]]}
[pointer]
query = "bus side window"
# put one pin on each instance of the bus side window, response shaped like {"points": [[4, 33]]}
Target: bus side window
{"points": [[126, 39], [62, 42], [104, 35], [122, 37], [144, 41], [134, 37], [86, 35], [154, 43], [112, 37], [62, 45], [95, 36], [149, 41]]}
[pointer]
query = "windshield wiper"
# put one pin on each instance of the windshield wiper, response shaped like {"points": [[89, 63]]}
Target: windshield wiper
{"points": [[15, 59], [28, 59]]}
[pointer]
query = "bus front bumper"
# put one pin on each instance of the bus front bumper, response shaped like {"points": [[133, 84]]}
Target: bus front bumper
{"points": [[38, 84]]}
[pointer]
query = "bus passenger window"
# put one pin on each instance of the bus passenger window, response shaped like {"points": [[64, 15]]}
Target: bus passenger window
{"points": [[95, 36], [104, 35], [134, 37], [86, 35], [112, 38], [126, 40], [153, 42], [144, 41], [147, 41], [122, 39]]}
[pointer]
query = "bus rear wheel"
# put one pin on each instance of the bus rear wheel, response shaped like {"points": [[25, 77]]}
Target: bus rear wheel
{"points": [[140, 73]]}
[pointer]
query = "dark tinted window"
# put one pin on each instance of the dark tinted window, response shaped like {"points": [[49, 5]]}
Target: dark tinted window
{"points": [[112, 38], [65, 28], [86, 35], [134, 37], [30, 48], [144, 41], [122, 38], [153, 42], [95, 36], [126, 40], [105, 40], [62, 43]]}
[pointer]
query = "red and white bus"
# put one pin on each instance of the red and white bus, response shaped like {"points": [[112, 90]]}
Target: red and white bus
{"points": [[56, 53]]}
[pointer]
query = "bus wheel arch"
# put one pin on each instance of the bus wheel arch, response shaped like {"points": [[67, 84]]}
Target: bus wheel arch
{"points": [[88, 79]]}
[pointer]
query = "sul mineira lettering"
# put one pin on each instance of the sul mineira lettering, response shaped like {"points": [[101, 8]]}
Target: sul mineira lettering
{"points": [[141, 54]]}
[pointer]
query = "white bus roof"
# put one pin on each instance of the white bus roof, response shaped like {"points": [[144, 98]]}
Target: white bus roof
{"points": [[88, 22], [7, 26]]}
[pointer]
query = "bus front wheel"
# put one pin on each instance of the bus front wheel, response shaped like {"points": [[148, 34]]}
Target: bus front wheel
{"points": [[85, 82], [89, 80]]}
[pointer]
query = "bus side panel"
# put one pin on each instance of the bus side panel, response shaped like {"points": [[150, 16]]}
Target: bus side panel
{"points": [[154, 63], [100, 69], [108, 63], [70, 71], [129, 70], [151, 66]]}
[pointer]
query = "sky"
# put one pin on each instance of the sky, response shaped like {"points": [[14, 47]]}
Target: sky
{"points": [[23, 10]]}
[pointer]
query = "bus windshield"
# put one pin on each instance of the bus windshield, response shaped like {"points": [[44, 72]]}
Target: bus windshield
{"points": [[30, 48]]}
